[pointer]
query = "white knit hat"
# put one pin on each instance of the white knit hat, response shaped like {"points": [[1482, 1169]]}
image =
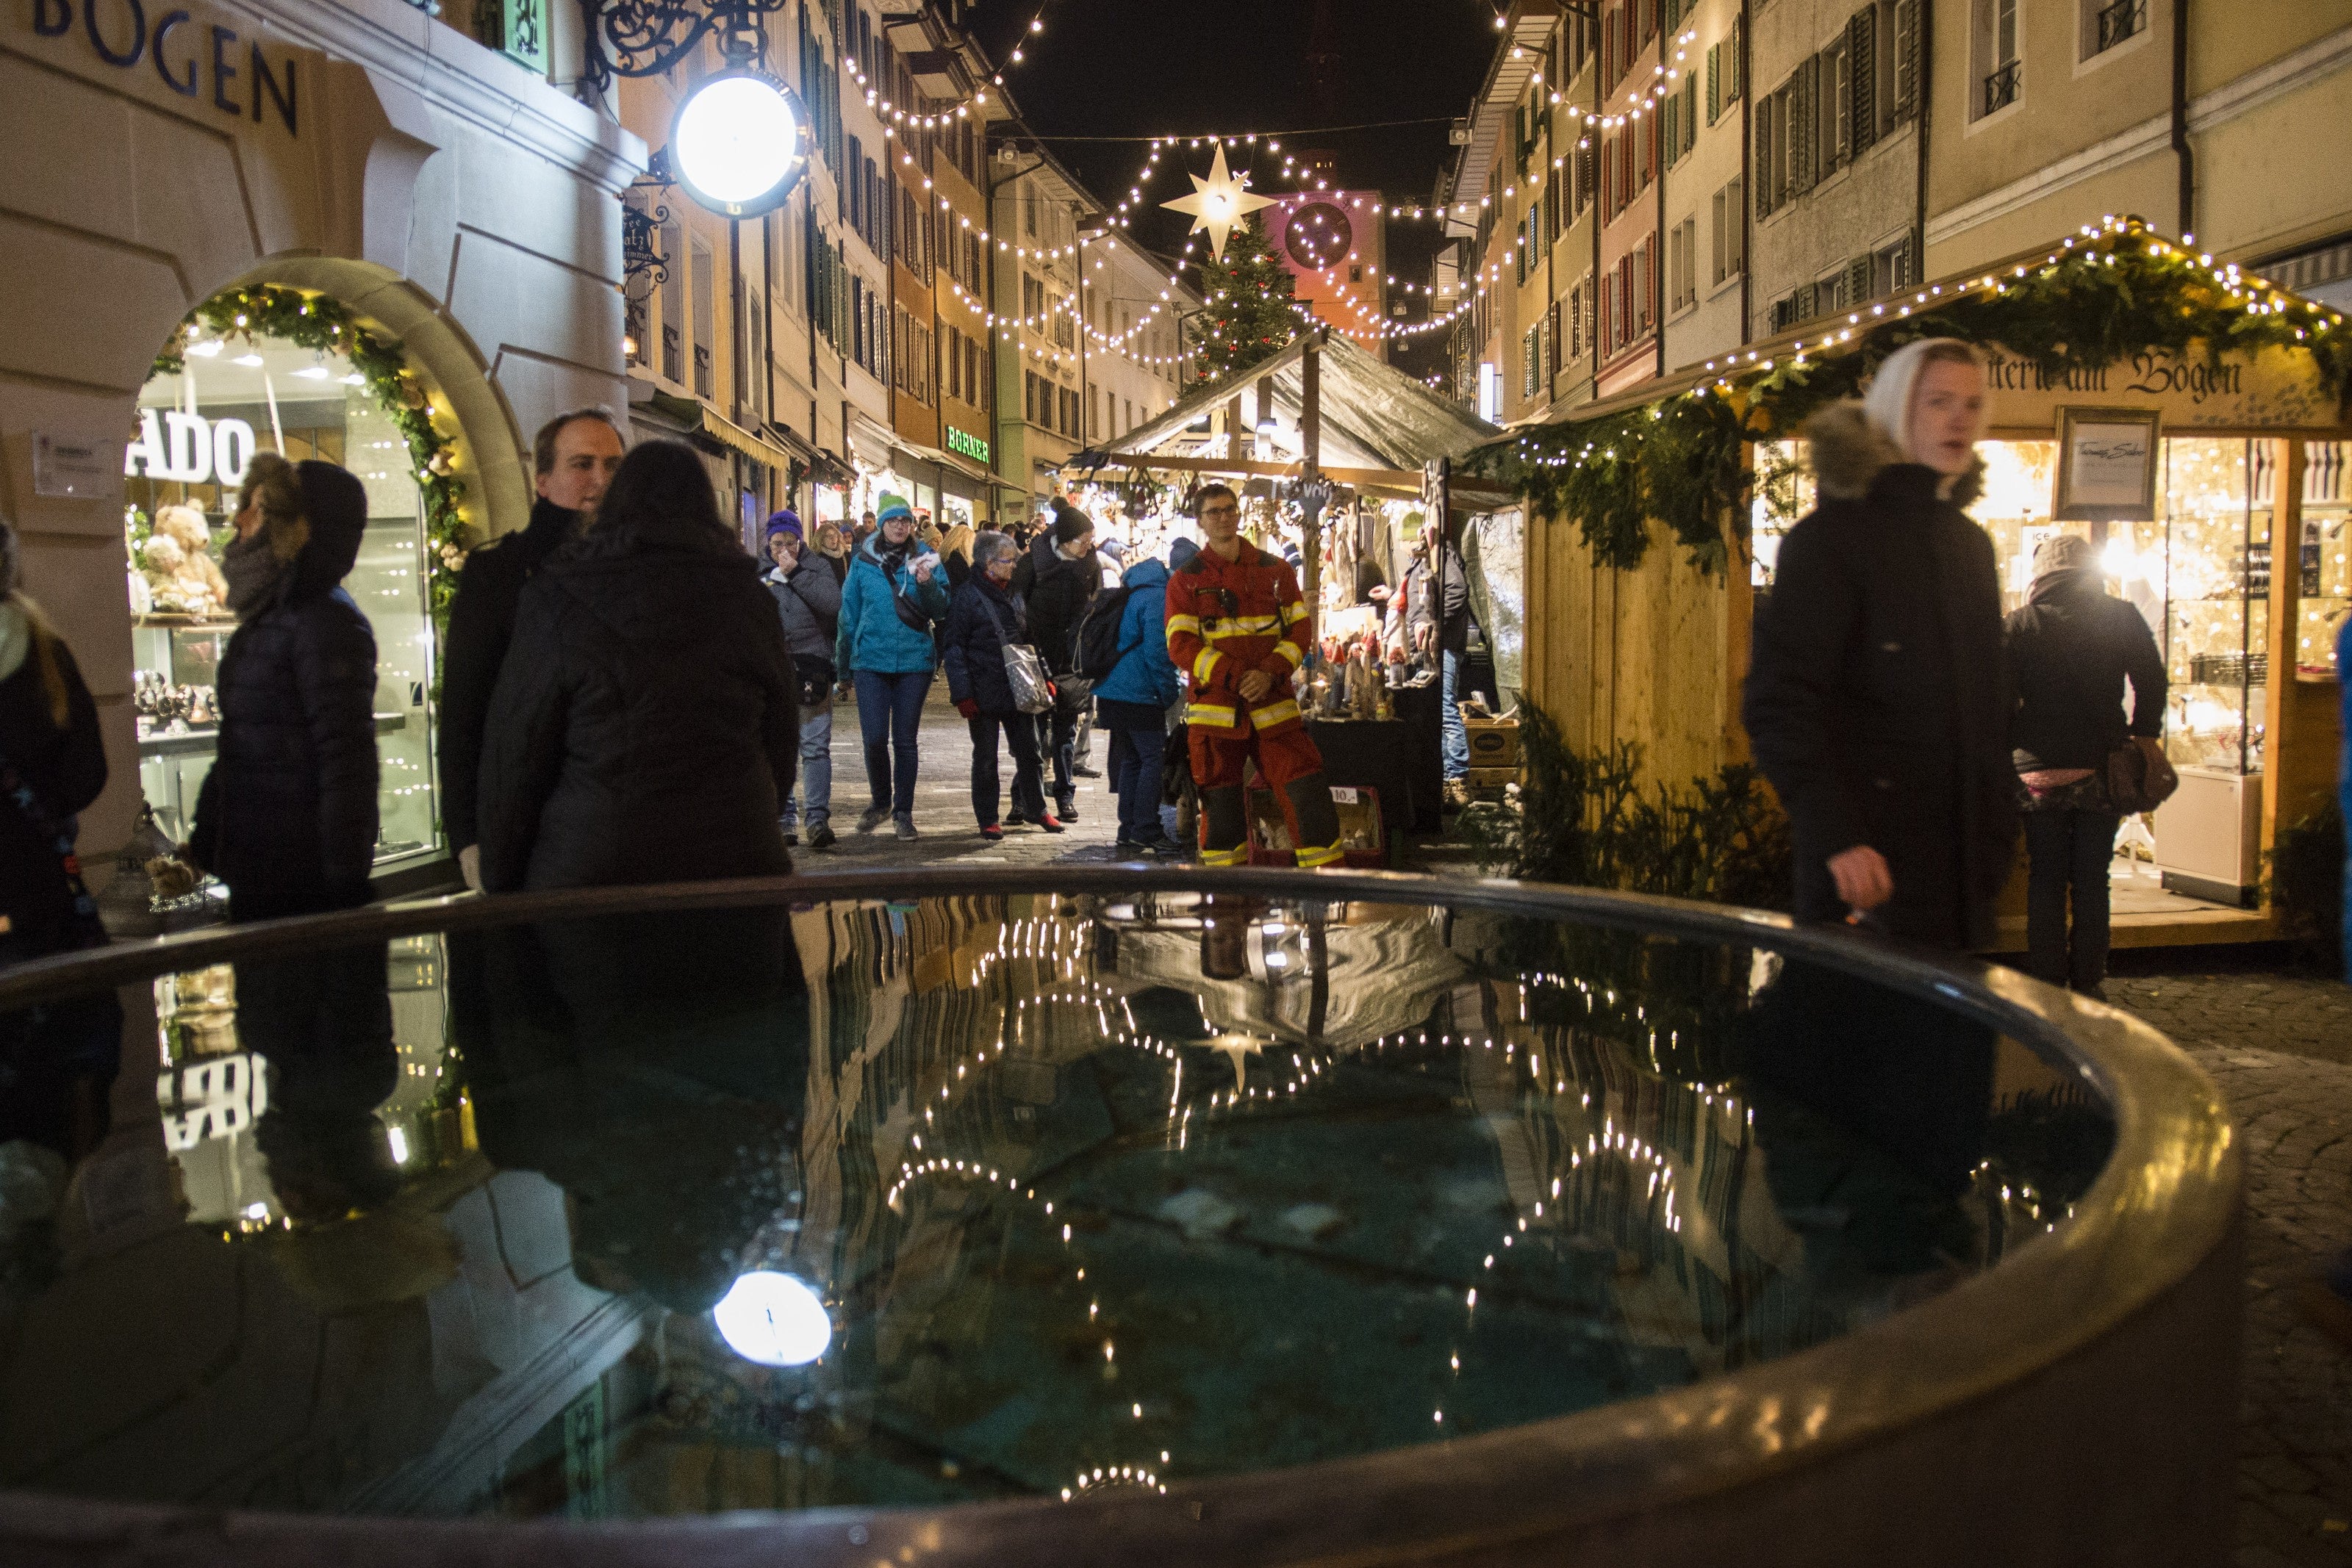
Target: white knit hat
{"points": [[1887, 402]]}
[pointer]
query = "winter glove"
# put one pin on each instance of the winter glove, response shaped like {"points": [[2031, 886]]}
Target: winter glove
{"points": [[968, 708]]}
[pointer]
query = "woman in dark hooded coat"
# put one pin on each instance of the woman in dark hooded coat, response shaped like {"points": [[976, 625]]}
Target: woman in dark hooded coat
{"points": [[287, 815], [646, 721], [1877, 703]]}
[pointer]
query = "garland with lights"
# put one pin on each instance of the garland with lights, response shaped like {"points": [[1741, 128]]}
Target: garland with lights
{"points": [[1252, 314], [316, 322], [2114, 290]]}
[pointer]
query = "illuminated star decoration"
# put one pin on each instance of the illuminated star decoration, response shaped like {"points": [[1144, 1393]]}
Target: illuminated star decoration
{"points": [[1218, 204]]}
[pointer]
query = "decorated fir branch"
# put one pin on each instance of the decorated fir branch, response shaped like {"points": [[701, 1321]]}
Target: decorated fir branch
{"points": [[2109, 292], [1252, 314], [317, 322]]}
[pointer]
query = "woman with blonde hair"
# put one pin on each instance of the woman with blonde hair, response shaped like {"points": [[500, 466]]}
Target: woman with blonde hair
{"points": [[287, 815], [52, 765], [1877, 700]]}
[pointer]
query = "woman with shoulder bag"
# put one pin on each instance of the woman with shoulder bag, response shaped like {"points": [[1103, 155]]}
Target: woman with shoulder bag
{"points": [[895, 593], [808, 598], [986, 621], [2072, 649]]}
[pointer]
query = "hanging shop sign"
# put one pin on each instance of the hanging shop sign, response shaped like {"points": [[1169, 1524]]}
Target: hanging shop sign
{"points": [[189, 56], [970, 446], [189, 448]]}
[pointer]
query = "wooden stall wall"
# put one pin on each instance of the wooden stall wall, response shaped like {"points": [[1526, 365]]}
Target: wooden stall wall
{"points": [[1653, 655]]}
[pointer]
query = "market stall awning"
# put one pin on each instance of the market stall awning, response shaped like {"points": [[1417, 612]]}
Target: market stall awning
{"points": [[1375, 419]]}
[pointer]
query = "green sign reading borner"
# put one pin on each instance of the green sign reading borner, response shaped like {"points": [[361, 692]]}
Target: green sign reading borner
{"points": [[971, 446]]}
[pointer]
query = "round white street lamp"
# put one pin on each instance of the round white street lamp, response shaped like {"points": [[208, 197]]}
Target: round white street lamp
{"points": [[740, 142]]}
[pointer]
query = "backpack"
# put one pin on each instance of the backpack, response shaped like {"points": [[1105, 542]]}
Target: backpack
{"points": [[1097, 652]]}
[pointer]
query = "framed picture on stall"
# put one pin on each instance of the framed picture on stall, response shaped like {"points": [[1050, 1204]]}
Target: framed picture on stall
{"points": [[2106, 465]]}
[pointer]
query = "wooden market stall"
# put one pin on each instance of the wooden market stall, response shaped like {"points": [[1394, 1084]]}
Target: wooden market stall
{"points": [[1656, 519]]}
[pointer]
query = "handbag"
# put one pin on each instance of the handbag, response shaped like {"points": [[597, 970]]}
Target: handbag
{"points": [[1023, 671], [2140, 779]]}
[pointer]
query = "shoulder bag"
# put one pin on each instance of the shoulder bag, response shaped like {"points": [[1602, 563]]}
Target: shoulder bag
{"points": [[1023, 671], [2140, 779]]}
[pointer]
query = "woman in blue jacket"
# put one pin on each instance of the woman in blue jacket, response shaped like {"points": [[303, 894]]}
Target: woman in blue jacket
{"points": [[893, 594], [1132, 704]]}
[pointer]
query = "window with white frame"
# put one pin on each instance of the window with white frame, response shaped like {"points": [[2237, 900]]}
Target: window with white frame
{"points": [[1996, 73], [2104, 23], [1682, 265], [1730, 248]]}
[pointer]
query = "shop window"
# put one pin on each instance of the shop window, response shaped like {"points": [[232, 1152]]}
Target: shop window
{"points": [[199, 428], [2324, 558]]}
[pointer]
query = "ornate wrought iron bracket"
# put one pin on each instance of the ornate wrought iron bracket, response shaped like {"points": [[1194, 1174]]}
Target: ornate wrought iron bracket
{"points": [[646, 37]]}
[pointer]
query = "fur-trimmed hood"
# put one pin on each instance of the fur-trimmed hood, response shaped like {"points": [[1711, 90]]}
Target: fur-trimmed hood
{"points": [[1848, 453]]}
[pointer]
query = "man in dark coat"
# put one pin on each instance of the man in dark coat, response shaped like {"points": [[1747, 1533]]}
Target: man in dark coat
{"points": [[1057, 580], [647, 725], [1877, 702], [575, 454], [287, 815], [987, 614], [808, 605]]}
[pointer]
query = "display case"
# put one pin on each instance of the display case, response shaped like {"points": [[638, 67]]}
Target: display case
{"points": [[199, 429], [2324, 558], [2218, 493]]}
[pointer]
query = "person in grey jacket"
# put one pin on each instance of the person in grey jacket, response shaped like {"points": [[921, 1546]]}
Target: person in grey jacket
{"points": [[808, 597]]}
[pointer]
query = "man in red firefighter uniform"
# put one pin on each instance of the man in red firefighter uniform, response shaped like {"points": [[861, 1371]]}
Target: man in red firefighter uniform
{"points": [[1238, 628]]}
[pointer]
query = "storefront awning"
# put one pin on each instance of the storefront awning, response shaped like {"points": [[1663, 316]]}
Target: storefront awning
{"points": [[973, 475], [692, 417]]}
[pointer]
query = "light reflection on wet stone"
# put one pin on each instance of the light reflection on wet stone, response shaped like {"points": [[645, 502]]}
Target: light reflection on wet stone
{"points": [[1099, 1194]]}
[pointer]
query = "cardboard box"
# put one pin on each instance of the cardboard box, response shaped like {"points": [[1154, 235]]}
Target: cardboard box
{"points": [[1493, 777], [1494, 742]]}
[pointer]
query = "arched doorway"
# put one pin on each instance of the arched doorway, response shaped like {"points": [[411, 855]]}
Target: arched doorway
{"points": [[268, 366]]}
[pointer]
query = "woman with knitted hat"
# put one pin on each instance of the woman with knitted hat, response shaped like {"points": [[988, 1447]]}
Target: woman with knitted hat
{"points": [[895, 594], [1877, 700]]}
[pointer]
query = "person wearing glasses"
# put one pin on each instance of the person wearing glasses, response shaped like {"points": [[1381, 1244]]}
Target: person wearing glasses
{"points": [[1238, 627]]}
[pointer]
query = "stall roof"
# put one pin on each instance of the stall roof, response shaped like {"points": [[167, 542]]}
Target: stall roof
{"points": [[1374, 416]]}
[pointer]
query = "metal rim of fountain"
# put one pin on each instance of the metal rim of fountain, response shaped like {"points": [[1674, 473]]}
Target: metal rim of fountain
{"points": [[2167, 1200]]}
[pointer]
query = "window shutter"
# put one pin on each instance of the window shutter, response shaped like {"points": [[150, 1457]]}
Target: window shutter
{"points": [[1862, 55], [1690, 113], [1714, 83], [1734, 65], [1766, 120], [1857, 281], [1906, 60], [1674, 108], [1805, 113], [1720, 214]]}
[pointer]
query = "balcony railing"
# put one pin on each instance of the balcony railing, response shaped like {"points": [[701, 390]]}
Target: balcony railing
{"points": [[2120, 21], [2000, 88]]}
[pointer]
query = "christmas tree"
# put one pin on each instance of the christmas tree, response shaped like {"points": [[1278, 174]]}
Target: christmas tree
{"points": [[1251, 316]]}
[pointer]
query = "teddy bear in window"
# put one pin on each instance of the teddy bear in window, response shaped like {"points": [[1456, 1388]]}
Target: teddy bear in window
{"points": [[185, 526], [171, 583]]}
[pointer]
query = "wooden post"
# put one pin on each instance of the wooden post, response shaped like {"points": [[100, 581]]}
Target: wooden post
{"points": [[1233, 427], [1310, 430]]}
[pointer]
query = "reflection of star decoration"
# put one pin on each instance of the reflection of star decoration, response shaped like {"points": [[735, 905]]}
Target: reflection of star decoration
{"points": [[1218, 204], [1236, 1047]]}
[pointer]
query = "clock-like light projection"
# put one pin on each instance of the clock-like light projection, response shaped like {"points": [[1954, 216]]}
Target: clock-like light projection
{"points": [[739, 143]]}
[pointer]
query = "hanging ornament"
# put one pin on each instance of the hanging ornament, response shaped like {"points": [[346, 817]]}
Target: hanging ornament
{"points": [[1218, 204]]}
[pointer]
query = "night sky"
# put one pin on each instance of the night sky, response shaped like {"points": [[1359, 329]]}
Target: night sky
{"points": [[1147, 68]]}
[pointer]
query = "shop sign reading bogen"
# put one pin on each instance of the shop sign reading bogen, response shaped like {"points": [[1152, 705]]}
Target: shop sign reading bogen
{"points": [[2274, 389], [189, 448], [189, 56]]}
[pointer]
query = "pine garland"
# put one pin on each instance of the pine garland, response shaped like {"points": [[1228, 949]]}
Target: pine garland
{"points": [[315, 321], [2111, 292]]}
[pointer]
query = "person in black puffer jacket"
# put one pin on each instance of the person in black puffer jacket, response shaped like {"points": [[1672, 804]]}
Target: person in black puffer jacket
{"points": [[1057, 580], [287, 817], [1878, 700], [2072, 649], [986, 611], [646, 721]]}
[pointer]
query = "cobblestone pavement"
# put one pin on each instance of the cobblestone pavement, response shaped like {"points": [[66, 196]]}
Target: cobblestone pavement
{"points": [[943, 805], [2281, 1048]]}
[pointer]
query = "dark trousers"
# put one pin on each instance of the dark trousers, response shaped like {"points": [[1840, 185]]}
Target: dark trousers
{"points": [[1136, 756], [2070, 852], [890, 716], [1028, 789], [1058, 732]]}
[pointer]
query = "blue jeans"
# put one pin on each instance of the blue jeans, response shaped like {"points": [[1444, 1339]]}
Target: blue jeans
{"points": [[890, 715], [1137, 777], [1453, 738], [816, 770]]}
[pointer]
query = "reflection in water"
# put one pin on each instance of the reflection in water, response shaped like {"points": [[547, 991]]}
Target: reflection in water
{"points": [[972, 1197]]}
